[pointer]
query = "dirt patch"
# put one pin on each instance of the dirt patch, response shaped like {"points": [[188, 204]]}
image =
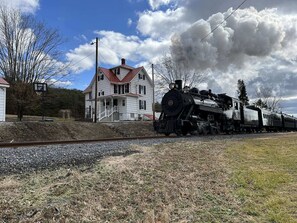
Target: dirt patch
{"points": [[46, 131]]}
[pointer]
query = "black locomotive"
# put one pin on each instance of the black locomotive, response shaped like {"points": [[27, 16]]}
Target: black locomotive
{"points": [[186, 110]]}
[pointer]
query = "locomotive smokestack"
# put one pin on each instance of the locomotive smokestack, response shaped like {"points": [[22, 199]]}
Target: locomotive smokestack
{"points": [[179, 84]]}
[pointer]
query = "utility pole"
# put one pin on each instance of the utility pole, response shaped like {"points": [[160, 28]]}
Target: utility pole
{"points": [[96, 79], [153, 79]]}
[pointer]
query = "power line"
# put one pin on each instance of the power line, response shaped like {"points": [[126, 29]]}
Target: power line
{"points": [[81, 59], [223, 21]]}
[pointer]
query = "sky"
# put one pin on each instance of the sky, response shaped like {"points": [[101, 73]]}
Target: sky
{"points": [[256, 43]]}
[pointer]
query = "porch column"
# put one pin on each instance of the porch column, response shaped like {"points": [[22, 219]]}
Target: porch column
{"points": [[111, 109], [105, 106], [99, 108]]}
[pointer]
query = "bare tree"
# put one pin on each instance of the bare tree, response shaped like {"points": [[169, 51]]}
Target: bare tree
{"points": [[168, 70], [267, 99], [29, 52]]}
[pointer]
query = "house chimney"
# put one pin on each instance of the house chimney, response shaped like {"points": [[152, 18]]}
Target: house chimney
{"points": [[123, 61]]}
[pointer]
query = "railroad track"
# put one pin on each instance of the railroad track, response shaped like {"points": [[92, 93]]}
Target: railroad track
{"points": [[63, 142]]}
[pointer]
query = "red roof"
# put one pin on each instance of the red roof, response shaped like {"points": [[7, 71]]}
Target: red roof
{"points": [[131, 74], [2, 81], [112, 77]]}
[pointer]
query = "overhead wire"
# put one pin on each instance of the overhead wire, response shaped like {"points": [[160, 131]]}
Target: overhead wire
{"points": [[215, 28]]}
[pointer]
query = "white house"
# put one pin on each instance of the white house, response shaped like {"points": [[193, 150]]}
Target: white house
{"points": [[123, 93], [3, 86]]}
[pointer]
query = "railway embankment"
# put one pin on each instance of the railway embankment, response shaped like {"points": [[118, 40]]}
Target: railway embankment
{"points": [[53, 131]]}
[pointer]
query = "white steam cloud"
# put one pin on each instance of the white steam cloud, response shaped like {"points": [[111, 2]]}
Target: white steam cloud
{"points": [[246, 34]]}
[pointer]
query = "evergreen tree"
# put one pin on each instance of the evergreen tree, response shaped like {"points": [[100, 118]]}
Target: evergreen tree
{"points": [[242, 93], [261, 103]]}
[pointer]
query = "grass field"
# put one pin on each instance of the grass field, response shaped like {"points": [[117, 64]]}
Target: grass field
{"points": [[252, 180], [265, 177]]}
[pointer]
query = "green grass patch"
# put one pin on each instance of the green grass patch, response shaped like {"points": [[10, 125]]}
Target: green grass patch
{"points": [[264, 177]]}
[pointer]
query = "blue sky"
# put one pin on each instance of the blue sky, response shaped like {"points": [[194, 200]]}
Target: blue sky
{"points": [[78, 21], [258, 43]]}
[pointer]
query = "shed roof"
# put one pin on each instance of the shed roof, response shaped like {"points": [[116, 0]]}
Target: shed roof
{"points": [[3, 82]]}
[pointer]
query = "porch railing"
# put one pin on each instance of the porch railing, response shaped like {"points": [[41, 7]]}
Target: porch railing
{"points": [[107, 112]]}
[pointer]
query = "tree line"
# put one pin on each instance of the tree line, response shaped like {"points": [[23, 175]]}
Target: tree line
{"points": [[51, 103]]}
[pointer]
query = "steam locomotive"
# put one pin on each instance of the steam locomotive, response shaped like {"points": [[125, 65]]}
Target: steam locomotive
{"points": [[190, 111]]}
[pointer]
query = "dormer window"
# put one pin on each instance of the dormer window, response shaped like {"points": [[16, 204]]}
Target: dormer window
{"points": [[101, 77], [141, 76], [118, 70]]}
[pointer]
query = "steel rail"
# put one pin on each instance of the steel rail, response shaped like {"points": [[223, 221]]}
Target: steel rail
{"points": [[80, 141]]}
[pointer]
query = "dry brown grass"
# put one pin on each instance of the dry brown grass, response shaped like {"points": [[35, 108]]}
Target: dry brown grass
{"points": [[180, 182]]}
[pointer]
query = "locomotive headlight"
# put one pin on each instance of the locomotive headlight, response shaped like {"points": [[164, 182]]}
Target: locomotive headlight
{"points": [[171, 86], [186, 89]]}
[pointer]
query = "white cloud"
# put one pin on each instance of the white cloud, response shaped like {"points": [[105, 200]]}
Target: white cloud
{"points": [[155, 4], [112, 47], [26, 6], [257, 44], [59, 83], [129, 23], [81, 58], [160, 24]]}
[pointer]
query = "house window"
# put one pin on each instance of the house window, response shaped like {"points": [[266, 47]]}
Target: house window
{"points": [[102, 77], [236, 105], [142, 89], [115, 89], [142, 104], [98, 93], [123, 102], [115, 102], [139, 76], [132, 115], [102, 93], [118, 70], [126, 88], [90, 95], [123, 89]]}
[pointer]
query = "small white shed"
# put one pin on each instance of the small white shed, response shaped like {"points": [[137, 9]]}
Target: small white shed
{"points": [[3, 86]]}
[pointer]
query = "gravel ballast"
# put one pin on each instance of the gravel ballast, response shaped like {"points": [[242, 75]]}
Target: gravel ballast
{"points": [[24, 159]]}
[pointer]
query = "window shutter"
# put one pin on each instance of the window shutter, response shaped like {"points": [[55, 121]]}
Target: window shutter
{"points": [[144, 105], [115, 87], [144, 77], [139, 89], [139, 104], [144, 89]]}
